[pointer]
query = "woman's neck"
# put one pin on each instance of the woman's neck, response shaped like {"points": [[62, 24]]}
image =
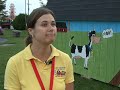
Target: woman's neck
{"points": [[41, 51]]}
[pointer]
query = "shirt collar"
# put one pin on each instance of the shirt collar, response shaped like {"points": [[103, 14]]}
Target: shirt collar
{"points": [[28, 53]]}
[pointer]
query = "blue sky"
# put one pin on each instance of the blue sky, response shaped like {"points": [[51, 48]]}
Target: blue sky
{"points": [[20, 5]]}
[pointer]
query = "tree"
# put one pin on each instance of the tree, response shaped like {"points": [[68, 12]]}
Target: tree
{"points": [[19, 22], [2, 5]]}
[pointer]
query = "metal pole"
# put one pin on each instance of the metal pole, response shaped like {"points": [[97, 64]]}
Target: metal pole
{"points": [[28, 7], [25, 6], [25, 15]]}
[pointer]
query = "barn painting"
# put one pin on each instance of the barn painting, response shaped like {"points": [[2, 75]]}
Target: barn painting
{"points": [[81, 22]]}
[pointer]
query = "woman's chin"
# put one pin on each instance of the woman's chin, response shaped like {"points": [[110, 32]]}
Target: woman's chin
{"points": [[50, 41]]}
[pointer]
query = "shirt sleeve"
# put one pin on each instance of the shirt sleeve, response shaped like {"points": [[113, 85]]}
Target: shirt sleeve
{"points": [[11, 80], [69, 72]]}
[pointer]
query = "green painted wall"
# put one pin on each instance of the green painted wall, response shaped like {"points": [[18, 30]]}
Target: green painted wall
{"points": [[104, 62]]}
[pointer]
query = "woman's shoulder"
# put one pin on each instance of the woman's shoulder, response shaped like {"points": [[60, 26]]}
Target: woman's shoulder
{"points": [[18, 56], [64, 58], [59, 52], [26, 52], [63, 54]]}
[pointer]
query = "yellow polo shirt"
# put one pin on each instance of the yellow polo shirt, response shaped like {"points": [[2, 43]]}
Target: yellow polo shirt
{"points": [[19, 74]]}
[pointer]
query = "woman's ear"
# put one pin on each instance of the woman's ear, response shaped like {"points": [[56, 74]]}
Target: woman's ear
{"points": [[30, 31]]}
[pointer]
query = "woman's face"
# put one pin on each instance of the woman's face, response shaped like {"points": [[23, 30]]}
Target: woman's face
{"points": [[45, 29]]}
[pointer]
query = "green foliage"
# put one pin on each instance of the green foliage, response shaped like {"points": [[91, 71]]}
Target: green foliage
{"points": [[2, 5], [2, 12], [19, 22]]}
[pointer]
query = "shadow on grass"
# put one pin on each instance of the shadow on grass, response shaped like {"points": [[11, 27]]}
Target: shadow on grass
{"points": [[82, 83]]}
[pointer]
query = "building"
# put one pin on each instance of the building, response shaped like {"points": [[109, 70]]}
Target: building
{"points": [[103, 16]]}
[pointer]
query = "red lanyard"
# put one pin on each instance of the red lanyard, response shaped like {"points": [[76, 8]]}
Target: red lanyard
{"points": [[38, 75]]}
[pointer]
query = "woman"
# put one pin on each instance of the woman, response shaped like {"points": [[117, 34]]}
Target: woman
{"points": [[40, 66]]}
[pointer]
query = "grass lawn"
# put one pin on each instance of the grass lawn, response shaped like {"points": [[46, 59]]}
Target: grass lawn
{"points": [[6, 52]]}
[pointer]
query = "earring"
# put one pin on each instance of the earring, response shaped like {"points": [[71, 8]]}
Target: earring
{"points": [[31, 36]]}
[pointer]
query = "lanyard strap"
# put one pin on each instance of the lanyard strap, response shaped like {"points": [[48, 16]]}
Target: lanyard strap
{"points": [[38, 75]]}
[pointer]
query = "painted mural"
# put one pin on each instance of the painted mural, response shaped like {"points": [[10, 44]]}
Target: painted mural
{"points": [[94, 49], [78, 51]]}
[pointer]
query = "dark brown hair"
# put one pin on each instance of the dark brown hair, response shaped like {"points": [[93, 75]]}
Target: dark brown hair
{"points": [[33, 17]]}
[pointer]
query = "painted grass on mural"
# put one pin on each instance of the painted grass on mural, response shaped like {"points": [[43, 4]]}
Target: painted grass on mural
{"points": [[104, 62]]}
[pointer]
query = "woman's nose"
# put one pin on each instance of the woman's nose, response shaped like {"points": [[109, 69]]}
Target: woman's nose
{"points": [[51, 28]]}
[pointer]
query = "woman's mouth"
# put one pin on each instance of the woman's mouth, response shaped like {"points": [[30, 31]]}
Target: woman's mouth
{"points": [[50, 35]]}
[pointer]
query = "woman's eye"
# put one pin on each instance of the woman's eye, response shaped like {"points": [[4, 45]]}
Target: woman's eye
{"points": [[53, 24], [44, 25]]}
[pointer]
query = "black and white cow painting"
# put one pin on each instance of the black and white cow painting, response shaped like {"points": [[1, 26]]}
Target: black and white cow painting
{"points": [[83, 51]]}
